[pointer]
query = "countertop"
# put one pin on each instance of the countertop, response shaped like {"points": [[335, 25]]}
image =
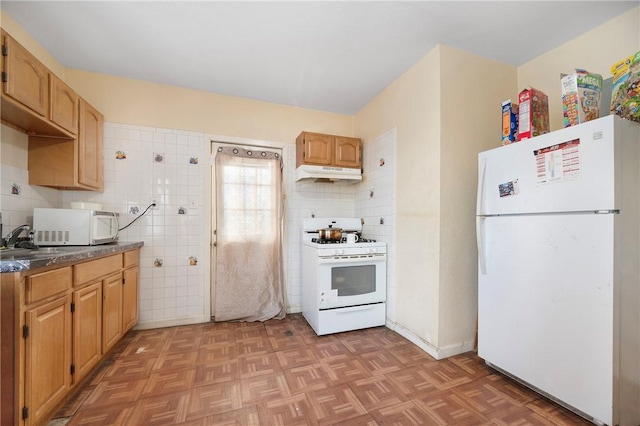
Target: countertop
{"points": [[28, 260]]}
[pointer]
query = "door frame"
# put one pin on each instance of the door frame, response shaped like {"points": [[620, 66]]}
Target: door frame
{"points": [[210, 224]]}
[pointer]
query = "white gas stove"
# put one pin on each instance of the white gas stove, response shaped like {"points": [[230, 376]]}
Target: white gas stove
{"points": [[343, 284]]}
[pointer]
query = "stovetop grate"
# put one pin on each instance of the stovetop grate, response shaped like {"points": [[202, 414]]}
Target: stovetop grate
{"points": [[343, 240]]}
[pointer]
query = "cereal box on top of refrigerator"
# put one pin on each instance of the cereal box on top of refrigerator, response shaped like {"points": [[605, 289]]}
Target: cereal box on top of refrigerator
{"points": [[580, 97], [625, 96], [534, 113], [509, 122]]}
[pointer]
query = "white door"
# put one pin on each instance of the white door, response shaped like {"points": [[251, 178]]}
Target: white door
{"points": [[545, 304]]}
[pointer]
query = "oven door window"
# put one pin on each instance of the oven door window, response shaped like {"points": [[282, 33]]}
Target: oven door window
{"points": [[353, 280]]}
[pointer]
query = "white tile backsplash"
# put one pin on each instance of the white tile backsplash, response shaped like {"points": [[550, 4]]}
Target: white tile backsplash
{"points": [[176, 291], [136, 181], [17, 208]]}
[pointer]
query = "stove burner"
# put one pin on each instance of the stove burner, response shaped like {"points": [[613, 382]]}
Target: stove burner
{"points": [[324, 241], [343, 240]]}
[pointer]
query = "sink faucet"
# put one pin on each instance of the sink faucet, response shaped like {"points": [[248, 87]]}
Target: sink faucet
{"points": [[12, 236]]}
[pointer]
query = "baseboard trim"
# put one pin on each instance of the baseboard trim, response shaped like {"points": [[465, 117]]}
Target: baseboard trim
{"points": [[434, 351], [172, 322]]}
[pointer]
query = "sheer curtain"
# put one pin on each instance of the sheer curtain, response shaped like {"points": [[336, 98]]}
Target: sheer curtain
{"points": [[249, 220]]}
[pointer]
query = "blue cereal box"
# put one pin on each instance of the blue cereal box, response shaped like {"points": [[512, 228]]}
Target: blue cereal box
{"points": [[509, 122]]}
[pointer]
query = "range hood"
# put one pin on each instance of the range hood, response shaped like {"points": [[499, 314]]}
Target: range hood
{"points": [[328, 174]]}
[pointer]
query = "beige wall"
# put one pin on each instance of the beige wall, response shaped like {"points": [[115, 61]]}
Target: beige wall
{"points": [[411, 104], [595, 51], [142, 103], [472, 88], [446, 109]]}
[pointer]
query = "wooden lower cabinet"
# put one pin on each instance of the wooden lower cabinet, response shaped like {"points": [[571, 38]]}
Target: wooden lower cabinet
{"points": [[130, 290], [47, 352], [130, 298], [87, 329], [112, 311], [56, 326]]}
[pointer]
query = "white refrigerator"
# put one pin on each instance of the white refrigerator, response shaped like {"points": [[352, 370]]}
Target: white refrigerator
{"points": [[558, 278]]}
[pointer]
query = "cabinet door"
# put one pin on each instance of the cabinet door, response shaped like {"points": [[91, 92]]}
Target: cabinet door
{"points": [[347, 152], [87, 329], [111, 311], [129, 298], [26, 78], [90, 146], [63, 107], [47, 357], [317, 149]]}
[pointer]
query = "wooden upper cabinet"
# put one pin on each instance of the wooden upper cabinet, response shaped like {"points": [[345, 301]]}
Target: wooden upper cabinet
{"points": [[25, 79], [64, 105], [328, 150], [70, 163], [347, 152], [315, 148], [90, 147]]}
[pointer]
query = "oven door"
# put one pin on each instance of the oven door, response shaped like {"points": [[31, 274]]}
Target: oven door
{"points": [[352, 280]]}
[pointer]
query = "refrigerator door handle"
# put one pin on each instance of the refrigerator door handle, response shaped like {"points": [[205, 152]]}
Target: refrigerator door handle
{"points": [[482, 169], [482, 262]]}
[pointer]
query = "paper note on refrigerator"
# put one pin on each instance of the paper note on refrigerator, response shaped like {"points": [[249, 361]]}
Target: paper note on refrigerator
{"points": [[558, 163], [509, 188]]}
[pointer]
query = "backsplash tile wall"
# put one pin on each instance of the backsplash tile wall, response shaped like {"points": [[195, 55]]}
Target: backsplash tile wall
{"points": [[142, 164], [18, 199]]}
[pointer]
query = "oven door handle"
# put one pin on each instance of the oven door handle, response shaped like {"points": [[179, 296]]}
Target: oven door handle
{"points": [[355, 259]]}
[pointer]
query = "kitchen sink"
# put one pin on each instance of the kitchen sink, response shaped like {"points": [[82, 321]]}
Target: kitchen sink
{"points": [[15, 252], [27, 253]]}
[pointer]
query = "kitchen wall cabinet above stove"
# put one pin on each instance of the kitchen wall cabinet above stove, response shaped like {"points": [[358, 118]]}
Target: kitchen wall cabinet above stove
{"points": [[328, 150]]}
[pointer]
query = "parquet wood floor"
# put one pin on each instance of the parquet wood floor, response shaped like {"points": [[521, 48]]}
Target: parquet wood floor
{"points": [[281, 373]]}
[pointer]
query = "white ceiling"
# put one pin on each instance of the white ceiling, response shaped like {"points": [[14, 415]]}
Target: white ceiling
{"points": [[329, 56]]}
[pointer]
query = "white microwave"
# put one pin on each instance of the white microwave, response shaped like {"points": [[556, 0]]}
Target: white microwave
{"points": [[74, 227]]}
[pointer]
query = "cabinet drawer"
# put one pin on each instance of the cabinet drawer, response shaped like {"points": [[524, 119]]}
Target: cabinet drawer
{"points": [[89, 271], [41, 286], [131, 258]]}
